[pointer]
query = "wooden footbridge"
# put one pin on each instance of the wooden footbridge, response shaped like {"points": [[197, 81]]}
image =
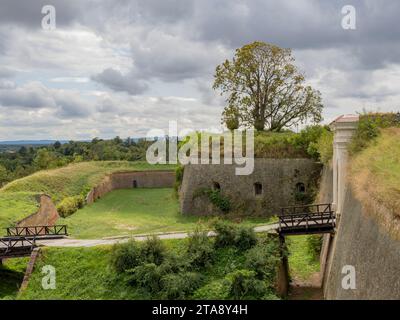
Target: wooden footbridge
{"points": [[20, 241], [309, 219]]}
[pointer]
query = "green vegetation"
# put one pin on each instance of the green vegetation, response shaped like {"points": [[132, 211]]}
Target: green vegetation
{"points": [[15, 206], [379, 162], [70, 205], [302, 262], [135, 211], [18, 198], [11, 276], [265, 90], [369, 128], [25, 160], [155, 269]]}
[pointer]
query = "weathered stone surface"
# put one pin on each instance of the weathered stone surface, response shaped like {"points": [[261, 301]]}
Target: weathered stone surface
{"points": [[361, 242], [278, 177]]}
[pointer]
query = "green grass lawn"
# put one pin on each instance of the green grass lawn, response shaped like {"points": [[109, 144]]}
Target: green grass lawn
{"points": [[11, 276], [132, 212], [301, 262], [15, 206], [17, 199]]}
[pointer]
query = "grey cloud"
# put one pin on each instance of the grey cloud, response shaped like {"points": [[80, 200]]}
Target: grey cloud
{"points": [[29, 13], [115, 80]]}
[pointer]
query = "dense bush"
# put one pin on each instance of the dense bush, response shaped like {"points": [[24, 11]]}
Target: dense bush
{"points": [[243, 284], [229, 234], [180, 286], [178, 177], [324, 146], [264, 259], [153, 251], [70, 205], [216, 290], [245, 238], [148, 277], [314, 245], [369, 128], [200, 249], [126, 256]]}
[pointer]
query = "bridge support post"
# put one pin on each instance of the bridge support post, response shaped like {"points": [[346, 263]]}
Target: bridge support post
{"points": [[283, 272]]}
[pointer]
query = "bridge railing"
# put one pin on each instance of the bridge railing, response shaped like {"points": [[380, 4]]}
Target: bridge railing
{"points": [[307, 219], [16, 247], [37, 231]]}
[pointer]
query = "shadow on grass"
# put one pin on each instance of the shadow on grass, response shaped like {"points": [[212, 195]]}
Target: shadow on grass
{"points": [[10, 282]]}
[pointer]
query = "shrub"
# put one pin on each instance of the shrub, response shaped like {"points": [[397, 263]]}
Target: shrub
{"points": [[70, 205], [314, 245], [153, 251], [324, 146], [126, 256], [243, 284], [200, 249], [215, 197], [245, 238], [226, 233], [215, 290], [263, 259], [178, 178], [369, 128], [229, 234], [218, 200], [180, 286], [147, 276]]}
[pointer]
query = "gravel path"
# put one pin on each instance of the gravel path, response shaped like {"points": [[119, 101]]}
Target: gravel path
{"points": [[70, 242]]}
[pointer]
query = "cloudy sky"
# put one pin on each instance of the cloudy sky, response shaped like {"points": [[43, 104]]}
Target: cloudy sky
{"points": [[122, 67]]}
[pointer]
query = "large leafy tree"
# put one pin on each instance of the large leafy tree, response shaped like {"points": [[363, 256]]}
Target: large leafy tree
{"points": [[265, 90]]}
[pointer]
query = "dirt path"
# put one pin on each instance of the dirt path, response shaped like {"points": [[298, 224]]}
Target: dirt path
{"points": [[310, 289], [70, 242]]}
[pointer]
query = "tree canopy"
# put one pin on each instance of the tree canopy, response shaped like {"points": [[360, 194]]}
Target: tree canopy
{"points": [[265, 90]]}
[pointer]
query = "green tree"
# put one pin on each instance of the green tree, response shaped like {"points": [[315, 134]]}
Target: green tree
{"points": [[3, 175], [44, 159], [266, 89]]}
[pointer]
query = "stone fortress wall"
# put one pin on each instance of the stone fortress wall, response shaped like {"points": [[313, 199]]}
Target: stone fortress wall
{"points": [[136, 179], [272, 185]]}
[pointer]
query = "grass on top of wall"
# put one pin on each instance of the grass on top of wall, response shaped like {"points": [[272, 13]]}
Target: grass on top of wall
{"points": [[17, 199], [14, 206], [135, 211], [375, 178]]}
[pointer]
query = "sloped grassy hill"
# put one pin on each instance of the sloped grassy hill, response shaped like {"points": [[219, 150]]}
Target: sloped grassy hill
{"points": [[18, 198], [375, 176]]}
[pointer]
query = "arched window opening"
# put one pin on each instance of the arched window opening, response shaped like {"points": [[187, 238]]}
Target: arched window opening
{"points": [[258, 189], [300, 187], [216, 186]]}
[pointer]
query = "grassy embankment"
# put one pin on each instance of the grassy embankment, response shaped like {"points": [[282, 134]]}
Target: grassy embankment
{"points": [[375, 177], [17, 199], [86, 273]]}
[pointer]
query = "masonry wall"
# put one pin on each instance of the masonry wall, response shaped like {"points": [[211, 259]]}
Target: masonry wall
{"points": [[362, 243], [47, 214], [126, 180], [278, 178]]}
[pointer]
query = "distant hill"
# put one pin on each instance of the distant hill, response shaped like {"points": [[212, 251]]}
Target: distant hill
{"points": [[30, 142]]}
